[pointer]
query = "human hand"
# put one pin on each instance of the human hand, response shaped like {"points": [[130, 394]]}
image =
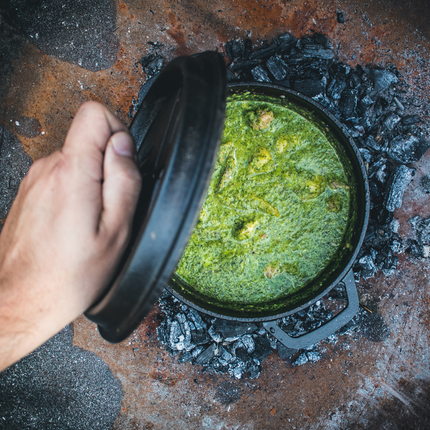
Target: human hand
{"points": [[66, 231]]}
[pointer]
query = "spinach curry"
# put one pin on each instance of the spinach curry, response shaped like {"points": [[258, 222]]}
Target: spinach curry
{"points": [[276, 210]]}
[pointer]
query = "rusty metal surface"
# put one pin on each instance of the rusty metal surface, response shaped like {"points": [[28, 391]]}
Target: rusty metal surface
{"points": [[363, 380]]}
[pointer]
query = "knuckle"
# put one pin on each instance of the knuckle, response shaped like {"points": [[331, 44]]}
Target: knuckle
{"points": [[90, 106]]}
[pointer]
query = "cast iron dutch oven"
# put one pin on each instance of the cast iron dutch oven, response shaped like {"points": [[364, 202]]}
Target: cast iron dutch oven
{"points": [[177, 131]]}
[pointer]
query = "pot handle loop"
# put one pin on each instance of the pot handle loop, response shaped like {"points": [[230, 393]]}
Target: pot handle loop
{"points": [[325, 330]]}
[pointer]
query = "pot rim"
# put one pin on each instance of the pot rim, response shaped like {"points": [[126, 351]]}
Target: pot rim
{"points": [[365, 212]]}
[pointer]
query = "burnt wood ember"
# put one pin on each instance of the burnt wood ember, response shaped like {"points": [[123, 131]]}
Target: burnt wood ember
{"points": [[407, 149], [385, 123], [399, 181]]}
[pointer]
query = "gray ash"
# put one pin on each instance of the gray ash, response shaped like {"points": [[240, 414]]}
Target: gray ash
{"points": [[220, 346], [239, 348], [374, 105]]}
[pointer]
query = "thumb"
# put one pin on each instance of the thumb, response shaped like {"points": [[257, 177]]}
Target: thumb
{"points": [[121, 186]]}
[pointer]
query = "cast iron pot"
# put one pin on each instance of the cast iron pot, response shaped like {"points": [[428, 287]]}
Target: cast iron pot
{"points": [[177, 131], [340, 267]]}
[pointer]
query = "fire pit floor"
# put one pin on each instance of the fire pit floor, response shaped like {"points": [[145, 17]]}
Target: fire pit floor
{"points": [[377, 377]]}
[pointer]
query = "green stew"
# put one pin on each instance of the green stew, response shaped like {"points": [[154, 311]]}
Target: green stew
{"points": [[276, 210]]}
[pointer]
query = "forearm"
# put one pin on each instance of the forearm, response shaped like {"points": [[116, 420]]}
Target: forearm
{"points": [[66, 231]]}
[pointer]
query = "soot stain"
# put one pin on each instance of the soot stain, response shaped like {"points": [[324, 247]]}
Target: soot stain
{"points": [[59, 386], [14, 165], [373, 326], [28, 127], [394, 414], [80, 33], [11, 42]]}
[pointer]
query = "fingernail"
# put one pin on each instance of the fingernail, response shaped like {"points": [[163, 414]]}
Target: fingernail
{"points": [[123, 144]]}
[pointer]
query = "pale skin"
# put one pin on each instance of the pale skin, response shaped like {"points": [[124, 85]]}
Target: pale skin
{"points": [[66, 231]]}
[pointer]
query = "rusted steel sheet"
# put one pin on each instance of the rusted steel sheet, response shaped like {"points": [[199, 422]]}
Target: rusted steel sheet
{"points": [[363, 380]]}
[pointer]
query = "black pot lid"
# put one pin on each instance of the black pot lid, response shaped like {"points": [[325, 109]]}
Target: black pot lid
{"points": [[177, 131]]}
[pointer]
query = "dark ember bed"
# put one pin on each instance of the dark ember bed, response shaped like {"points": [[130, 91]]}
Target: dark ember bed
{"points": [[385, 122]]}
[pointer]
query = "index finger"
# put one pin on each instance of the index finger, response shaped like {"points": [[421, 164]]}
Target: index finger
{"points": [[90, 131]]}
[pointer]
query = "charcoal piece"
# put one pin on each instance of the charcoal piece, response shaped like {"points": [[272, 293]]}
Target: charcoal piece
{"points": [[216, 337], [207, 355], [410, 120], [238, 48], [260, 75], [217, 366], [309, 87], [195, 317], [253, 368], [383, 79], [151, 64], [284, 352], [371, 143], [301, 360], [200, 337], [399, 104], [231, 76], [237, 368], [336, 88], [232, 330], [340, 17], [366, 154], [229, 50], [415, 249], [322, 39], [243, 64], [338, 292], [354, 80], [190, 356], [248, 343], [390, 266], [288, 38], [398, 183], [378, 170], [224, 356], [391, 121], [407, 149], [285, 83], [248, 47], [354, 132], [178, 340], [423, 235], [394, 226], [348, 103], [277, 67], [264, 52], [14, 165], [285, 44], [313, 356], [421, 228], [384, 216], [262, 348], [368, 266], [242, 354], [366, 102], [415, 223], [316, 51], [154, 66], [425, 183]]}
